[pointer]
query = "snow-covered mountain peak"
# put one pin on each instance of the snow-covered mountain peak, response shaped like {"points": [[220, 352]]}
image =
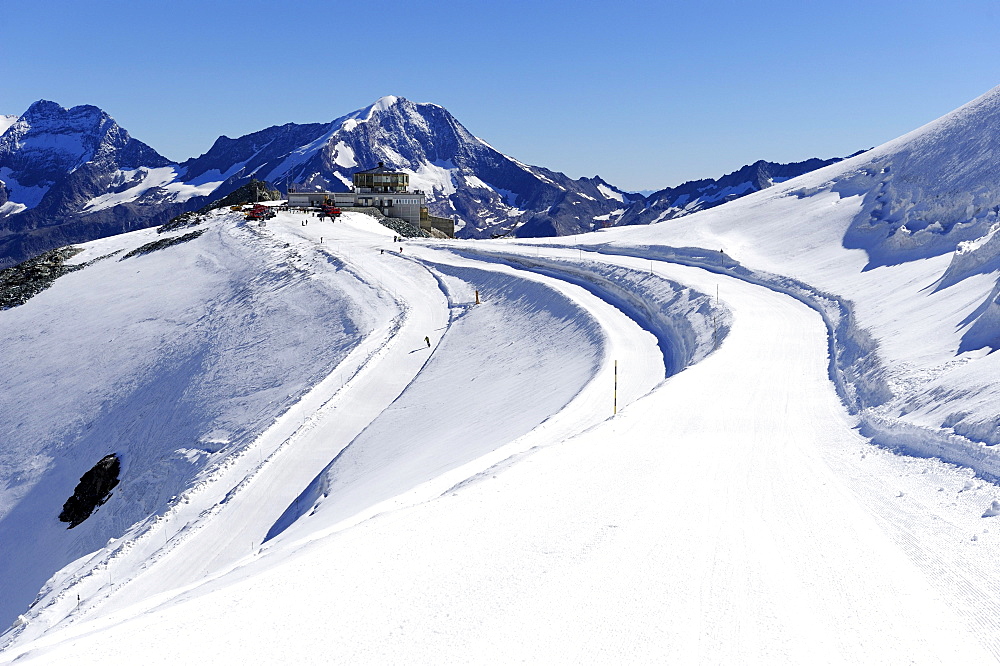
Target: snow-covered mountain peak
{"points": [[366, 114], [385, 102], [401, 130], [54, 163], [45, 120], [55, 140], [61, 135]]}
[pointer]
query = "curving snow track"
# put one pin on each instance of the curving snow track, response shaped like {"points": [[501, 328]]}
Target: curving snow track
{"points": [[720, 518], [389, 385]]}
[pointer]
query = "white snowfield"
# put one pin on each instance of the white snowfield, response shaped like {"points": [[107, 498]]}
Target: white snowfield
{"points": [[351, 461]]}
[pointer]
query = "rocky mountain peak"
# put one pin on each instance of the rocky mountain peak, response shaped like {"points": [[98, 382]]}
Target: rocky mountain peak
{"points": [[45, 117], [55, 165], [48, 140]]}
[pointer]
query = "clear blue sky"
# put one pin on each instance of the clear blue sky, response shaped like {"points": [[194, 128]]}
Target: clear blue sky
{"points": [[646, 94]]}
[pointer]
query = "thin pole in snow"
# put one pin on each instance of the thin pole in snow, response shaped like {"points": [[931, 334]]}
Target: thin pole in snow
{"points": [[715, 322], [477, 297], [616, 387]]}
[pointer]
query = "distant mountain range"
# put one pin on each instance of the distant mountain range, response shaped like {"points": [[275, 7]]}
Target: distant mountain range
{"points": [[696, 195], [72, 175]]}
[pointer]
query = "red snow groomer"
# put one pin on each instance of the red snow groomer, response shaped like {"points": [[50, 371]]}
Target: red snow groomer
{"points": [[329, 210], [260, 212]]}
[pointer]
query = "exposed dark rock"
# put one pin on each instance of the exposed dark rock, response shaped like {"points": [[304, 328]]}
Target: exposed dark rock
{"points": [[402, 227], [93, 490], [182, 221], [162, 243], [252, 192], [397, 224], [19, 283]]}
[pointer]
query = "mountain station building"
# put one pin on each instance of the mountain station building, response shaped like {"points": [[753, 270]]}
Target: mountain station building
{"points": [[384, 189]]}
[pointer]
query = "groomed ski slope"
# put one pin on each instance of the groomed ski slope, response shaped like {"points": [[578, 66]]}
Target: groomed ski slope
{"points": [[476, 501]]}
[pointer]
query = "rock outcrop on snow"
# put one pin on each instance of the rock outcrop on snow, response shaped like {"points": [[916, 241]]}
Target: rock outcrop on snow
{"points": [[163, 243], [93, 490], [182, 221], [252, 192], [19, 283]]}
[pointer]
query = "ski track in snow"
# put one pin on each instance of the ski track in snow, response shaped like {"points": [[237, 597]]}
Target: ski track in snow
{"points": [[729, 514]]}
